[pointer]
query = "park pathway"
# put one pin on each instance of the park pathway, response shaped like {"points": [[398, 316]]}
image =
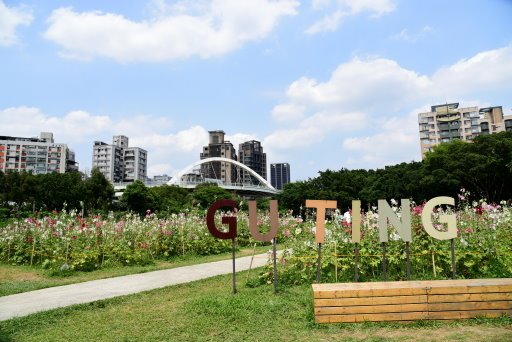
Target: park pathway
{"points": [[27, 303]]}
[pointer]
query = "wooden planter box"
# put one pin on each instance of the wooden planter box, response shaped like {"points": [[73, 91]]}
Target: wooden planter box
{"points": [[412, 300]]}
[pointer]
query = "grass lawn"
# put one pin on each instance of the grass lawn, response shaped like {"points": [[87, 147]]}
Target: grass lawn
{"points": [[207, 311], [17, 279]]}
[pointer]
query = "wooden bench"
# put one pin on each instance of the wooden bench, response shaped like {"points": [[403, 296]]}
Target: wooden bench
{"points": [[412, 300]]}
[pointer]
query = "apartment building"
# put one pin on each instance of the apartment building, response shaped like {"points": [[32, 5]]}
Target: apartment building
{"points": [[36, 155], [250, 153], [279, 175], [118, 162], [218, 147], [447, 122]]}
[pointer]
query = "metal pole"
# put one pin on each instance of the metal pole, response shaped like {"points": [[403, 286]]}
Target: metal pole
{"points": [[384, 262], [234, 271], [356, 262], [454, 270], [335, 262], [408, 260], [319, 263], [274, 250]]}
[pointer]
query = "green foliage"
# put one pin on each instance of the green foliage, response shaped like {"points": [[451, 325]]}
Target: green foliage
{"points": [[483, 167], [483, 249], [98, 191], [170, 198], [138, 198], [207, 193]]}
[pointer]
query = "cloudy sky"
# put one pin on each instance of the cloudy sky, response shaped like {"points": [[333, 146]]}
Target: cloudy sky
{"points": [[321, 83]]}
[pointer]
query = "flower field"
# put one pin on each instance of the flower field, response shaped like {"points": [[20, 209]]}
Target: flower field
{"points": [[483, 248], [65, 240]]}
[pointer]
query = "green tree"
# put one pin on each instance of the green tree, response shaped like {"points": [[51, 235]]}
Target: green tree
{"points": [[138, 198], [98, 192], [207, 193], [170, 198], [57, 190]]}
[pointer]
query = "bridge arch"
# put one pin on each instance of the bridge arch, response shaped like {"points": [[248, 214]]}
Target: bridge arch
{"points": [[177, 179]]}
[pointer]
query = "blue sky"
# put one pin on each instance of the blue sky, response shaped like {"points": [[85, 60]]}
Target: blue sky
{"points": [[322, 83]]}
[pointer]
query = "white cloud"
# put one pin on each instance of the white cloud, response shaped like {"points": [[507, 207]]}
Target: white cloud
{"points": [[376, 94], [74, 126], [288, 112], [10, 19], [313, 129], [407, 36], [344, 8], [177, 32], [397, 141], [360, 84], [167, 152], [238, 138], [489, 70]]}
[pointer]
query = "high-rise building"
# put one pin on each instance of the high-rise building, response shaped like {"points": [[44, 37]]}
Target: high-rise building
{"points": [[218, 147], [250, 153], [119, 162], [36, 155], [279, 175], [135, 163], [447, 122]]}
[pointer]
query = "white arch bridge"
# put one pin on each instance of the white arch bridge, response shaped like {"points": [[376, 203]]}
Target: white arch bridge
{"points": [[226, 173]]}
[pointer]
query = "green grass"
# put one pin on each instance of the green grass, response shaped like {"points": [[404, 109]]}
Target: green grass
{"points": [[17, 278], [207, 311]]}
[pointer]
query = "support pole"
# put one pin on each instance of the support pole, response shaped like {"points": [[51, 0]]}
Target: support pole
{"points": [[454, 269], [335, 261], [274, 252], [356, 262], [234, 270], [384, 262], [408, 259], [319, 264]]}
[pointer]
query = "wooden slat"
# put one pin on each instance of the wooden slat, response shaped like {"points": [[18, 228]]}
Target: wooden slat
{"points": [[409, 316], [372, 300], [467, 314], [370, 293], [400, 308], [469, 289], [470, 306], [412, 300], [469, 297], [403, 308]]}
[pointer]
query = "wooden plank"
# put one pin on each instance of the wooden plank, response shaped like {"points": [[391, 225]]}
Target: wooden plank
{"points": [[411, 284], [469, 289], [370, 309], [412, 300], [470, 306], [467, 314], [409, 316], [359, 293], [403, 288], [372, 300], [470, 297]]}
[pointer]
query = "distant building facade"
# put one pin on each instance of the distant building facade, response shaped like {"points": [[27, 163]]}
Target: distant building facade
{"points": [[448, 122], [118, 162], [35, 155], [250, 153], [218, 147], [279, 175]]}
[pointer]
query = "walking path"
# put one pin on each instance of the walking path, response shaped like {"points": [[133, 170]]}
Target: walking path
{"points": [[27, 303]]}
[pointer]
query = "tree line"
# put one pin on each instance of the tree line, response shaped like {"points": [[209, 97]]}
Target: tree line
{"points": [[23, 193], [483, 168]]}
